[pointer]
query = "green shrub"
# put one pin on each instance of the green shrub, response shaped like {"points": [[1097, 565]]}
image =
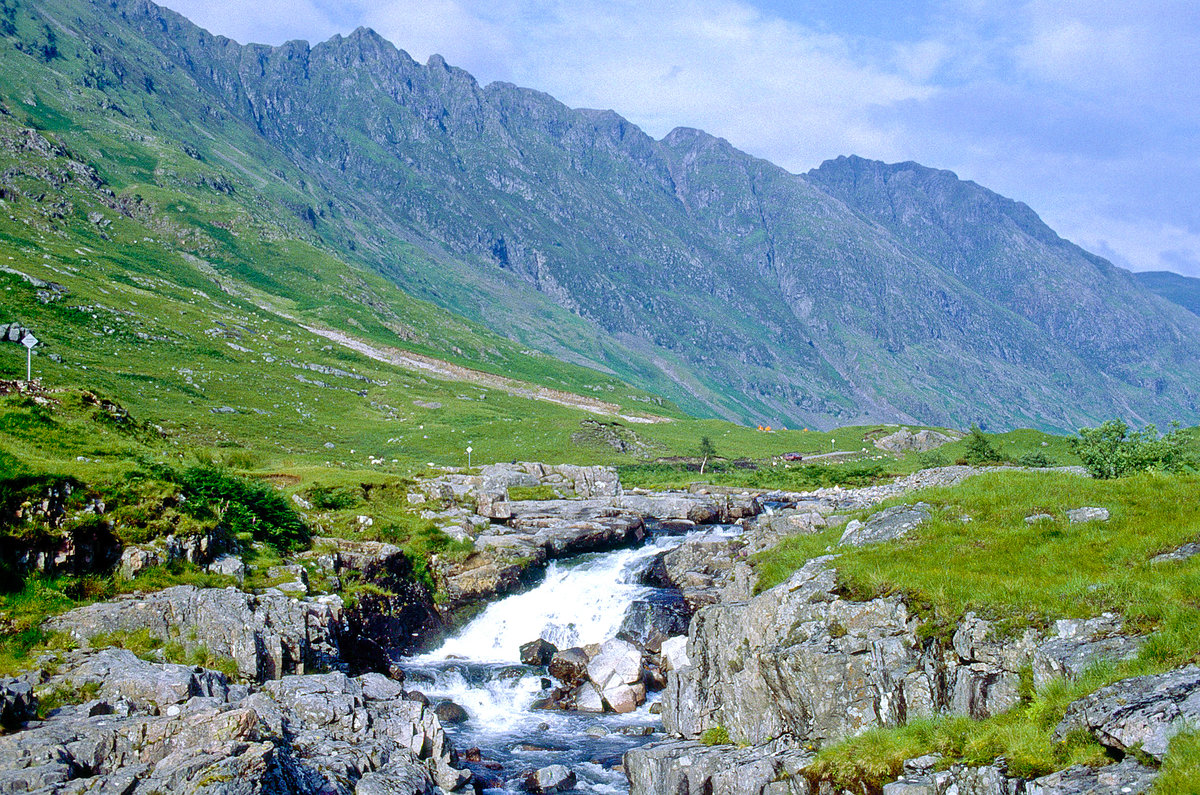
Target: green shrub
{"points": [[717, 735], [1113, 451], [243, 506], [332, 498], [1035, 459], [979, 449]]}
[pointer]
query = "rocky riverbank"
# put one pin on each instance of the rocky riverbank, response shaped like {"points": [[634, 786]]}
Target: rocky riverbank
{"points": [[801, 665]]}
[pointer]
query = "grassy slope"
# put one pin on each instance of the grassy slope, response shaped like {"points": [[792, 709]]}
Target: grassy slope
{"points": [[1078, 570]]}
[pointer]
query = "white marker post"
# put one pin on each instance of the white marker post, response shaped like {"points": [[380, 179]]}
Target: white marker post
{"points": [[468, 458], [29, 341]]}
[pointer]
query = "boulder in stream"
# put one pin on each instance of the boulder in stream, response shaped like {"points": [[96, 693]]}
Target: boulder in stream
{"points": [[569, 666], [555, 778]]}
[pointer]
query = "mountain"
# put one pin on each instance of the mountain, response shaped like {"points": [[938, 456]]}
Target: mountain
{"points": [[857, 292], [1182, 290]]}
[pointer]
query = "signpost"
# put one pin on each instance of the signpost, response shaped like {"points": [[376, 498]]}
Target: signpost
{"points": [[468, 457], [29, 341]]}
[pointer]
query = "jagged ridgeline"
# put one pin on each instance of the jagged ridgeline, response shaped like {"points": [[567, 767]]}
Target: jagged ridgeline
{"points": [[323, 178]]}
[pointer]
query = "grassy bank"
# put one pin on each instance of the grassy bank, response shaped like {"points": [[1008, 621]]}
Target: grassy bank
{"points": [[1023, 573]]}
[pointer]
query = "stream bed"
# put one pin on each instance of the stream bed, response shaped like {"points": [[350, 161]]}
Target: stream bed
{"points": [[581, 600]]}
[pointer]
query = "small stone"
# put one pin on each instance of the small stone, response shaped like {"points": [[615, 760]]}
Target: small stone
{"points": [[1087, 514]]}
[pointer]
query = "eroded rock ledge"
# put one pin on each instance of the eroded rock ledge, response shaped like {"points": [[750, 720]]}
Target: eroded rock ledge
{"points": [[157, 727]]}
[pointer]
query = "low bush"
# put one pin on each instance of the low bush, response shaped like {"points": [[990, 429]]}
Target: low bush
{"points": [[1114, 451]]}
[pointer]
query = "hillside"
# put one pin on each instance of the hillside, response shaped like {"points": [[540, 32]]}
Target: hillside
{"points": [[683, 266], [1182, 290]]}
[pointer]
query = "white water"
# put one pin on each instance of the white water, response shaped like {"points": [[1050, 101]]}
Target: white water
{"points": [[579, 602]]}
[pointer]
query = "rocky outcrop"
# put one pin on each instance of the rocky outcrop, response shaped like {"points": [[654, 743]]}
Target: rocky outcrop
{"points": [[685, 767], [800, 661], [1144, 712], [17, 702], [886, 525], [199, 549], [158, 727], [267, 636], [906, 441], [1125, 778]]}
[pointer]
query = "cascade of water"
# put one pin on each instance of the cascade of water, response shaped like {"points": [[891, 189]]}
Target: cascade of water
{"points": [[580, 601]]}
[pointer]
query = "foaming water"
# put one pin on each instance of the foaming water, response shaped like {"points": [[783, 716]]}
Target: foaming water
{"points": [[580, 601]]}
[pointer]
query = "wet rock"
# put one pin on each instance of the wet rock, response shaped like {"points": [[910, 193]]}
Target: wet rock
{"points": [[555, 778], [648, 622], [499, 566], [418, 697], [588, 698], [449, 712], [538, 652], [569, 666], [1143, 712], [622, 698], [1087, 514], [619, 662], [887, 525]]}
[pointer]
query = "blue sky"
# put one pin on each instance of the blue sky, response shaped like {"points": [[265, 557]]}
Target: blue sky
{"points": [[1087, 111]]}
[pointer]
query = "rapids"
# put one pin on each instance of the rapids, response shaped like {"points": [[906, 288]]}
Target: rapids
{"points": [[580, 600]]}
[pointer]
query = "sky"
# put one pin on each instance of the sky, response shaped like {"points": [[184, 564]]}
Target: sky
{"points": [[1086, 110]]}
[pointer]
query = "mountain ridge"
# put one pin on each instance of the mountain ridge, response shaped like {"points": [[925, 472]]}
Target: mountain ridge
{"points": [[717, 279]]}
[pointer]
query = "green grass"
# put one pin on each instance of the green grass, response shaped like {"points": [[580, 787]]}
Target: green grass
{"points": [[1020, 574], [543, 492], [1023, 736], [1181, 768]]}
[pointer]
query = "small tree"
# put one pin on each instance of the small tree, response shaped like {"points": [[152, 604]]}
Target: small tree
{"points": [[979, 448], [707, 451]]}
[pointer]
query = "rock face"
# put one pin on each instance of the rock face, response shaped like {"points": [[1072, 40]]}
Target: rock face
{"points": [[167, 728], [17, 702], [799, 661], [267, 636], [905, 441], [1144, 712], [689, 768]]}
